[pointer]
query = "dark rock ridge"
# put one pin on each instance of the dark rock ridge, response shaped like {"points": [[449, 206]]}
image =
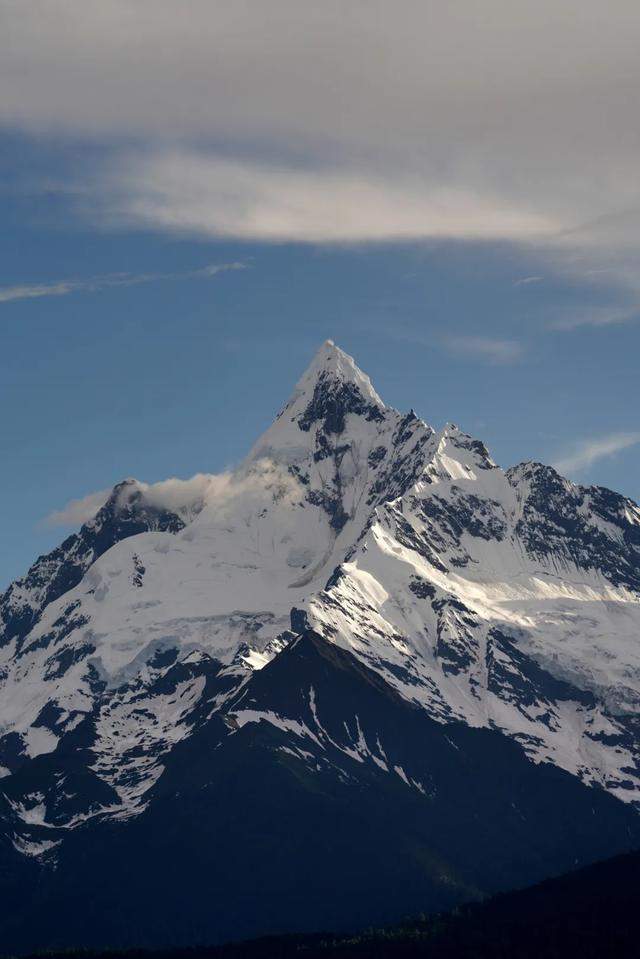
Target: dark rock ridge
{"points": [[566, 521], [332, 400]]}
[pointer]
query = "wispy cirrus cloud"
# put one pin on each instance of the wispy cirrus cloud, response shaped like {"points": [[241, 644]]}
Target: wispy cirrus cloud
{"points": [[528, 280], [500, 351], [490, 349], [578, 318], [589, 451], [29, 291]]}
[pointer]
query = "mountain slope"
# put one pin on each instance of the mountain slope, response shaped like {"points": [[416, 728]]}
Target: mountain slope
{"points": [[124, 514], [472, 602], [318, 798], [365, 608]]}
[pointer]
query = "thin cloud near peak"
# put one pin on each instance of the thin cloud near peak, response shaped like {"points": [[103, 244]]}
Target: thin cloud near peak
{"points": [[589, 451], [490, 348], [77, 511]]}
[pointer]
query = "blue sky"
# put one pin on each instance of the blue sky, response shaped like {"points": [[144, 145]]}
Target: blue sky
{"points": [[506, 303]]}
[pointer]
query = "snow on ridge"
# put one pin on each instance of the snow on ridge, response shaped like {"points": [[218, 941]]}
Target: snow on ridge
{"points": [[446, 600]]}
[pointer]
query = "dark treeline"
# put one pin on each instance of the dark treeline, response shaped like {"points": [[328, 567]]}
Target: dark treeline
{"points": [[590, 913]]}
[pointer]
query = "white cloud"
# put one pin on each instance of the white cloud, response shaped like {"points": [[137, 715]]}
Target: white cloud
{"points": [[78, 511], [461, 119], [528, 280], [199, 193], [185, 497], [34, 290], [177, 495], [588, 452], [493, 350], [211, 494], [577, 318], [94, 284], [479, 347]]}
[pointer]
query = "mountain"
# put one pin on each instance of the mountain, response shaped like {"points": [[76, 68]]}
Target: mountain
{"points": [[366, 674]]}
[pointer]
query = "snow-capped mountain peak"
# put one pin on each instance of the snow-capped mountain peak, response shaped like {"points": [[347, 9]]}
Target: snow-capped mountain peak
{"points": [[507, 600], [333, 396], [333, 369], [341, 443]]}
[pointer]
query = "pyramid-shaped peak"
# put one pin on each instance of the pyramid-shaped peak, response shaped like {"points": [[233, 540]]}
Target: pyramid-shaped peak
{"points": [[331, 389], [330, 363]]}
